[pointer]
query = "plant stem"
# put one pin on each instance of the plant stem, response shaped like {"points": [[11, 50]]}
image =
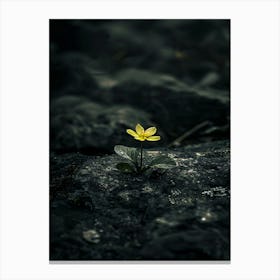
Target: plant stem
{"points": [[141, 156]]}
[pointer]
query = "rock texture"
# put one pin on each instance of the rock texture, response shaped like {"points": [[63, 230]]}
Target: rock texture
{"points": [[78, 124], [98, 213]]}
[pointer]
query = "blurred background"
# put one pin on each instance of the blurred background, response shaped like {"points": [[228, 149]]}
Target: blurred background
{"points": [[108, 75]]}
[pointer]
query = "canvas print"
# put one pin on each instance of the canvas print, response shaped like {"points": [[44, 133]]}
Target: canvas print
{"points": [[139, 140]]}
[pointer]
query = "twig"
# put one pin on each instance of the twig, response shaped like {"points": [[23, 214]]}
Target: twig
{"points": [[188, 133]]}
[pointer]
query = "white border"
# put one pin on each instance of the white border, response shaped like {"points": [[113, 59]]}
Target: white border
{"points": [[255, 138]]}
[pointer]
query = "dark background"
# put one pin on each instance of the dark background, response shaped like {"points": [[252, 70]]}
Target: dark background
{"points": [[107, 76]]}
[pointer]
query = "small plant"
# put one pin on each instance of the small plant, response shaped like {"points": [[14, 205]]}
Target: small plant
{"points": [[134, 156]]}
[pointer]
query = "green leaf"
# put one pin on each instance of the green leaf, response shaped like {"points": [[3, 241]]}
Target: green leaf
{"points": [[127, 152], [125, 167], [163, 162]]}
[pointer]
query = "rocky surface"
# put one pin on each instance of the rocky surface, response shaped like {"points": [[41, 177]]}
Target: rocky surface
{"points": [[107, 76], [86, 113], [98, 213], [79, 124]]}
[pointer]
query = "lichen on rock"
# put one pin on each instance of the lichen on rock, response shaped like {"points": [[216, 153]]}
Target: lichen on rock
{"points": [[180, 214]]}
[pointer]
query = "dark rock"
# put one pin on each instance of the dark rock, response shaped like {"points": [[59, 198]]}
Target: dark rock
{"points": [[78, 124], [182, 214], [187, 49], [73, 73], [181, 78], [172, 104]]}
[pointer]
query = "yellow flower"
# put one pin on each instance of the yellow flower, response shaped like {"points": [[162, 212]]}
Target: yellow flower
{"points": [[141, 134]]}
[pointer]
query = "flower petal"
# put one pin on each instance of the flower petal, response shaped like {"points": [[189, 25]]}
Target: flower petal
{"points": [[150, 131], [153, 138], [139, 129], [131, 132], [139, 138]]}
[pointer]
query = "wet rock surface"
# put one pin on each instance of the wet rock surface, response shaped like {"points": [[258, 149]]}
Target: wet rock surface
{"points": [[98, 213]]}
